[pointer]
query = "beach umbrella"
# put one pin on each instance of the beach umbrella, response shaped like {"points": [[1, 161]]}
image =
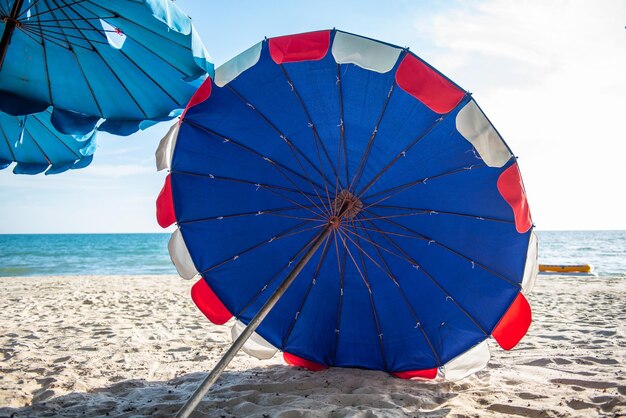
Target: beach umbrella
{"points": [[130, 62], [36, 146], [353, 206]]}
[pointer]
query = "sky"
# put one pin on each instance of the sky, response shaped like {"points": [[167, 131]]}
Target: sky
{"points": [[549, 75]]}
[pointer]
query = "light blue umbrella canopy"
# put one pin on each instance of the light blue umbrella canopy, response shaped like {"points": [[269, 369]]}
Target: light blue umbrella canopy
{"points": [[130, 62], [36, 146]]}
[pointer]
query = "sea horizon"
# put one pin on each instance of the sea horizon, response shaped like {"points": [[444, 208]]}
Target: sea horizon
{"points": [[145, 253]]}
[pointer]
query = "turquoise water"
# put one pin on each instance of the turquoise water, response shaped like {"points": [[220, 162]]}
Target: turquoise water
{"points": [[97, 254], [605, 250], [134, 254]]}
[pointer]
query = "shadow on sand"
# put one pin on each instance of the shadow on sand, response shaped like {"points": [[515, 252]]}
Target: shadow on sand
{"points": [[274, 391]]}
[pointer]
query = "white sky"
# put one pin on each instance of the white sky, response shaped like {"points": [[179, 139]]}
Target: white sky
{"points": [[550, 76]]}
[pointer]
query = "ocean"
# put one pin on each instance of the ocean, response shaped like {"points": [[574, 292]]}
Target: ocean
{"points": [[139, 254]]}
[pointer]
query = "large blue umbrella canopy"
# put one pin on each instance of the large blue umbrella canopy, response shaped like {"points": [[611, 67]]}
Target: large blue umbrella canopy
{"points": [[130, 62], [36, 146], [427, 238]]}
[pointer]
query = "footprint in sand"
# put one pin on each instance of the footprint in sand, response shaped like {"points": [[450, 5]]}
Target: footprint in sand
{"points": [[585, 383]]}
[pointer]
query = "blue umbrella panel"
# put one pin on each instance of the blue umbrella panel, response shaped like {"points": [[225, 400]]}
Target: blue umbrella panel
{"points": [[425, 238], [37, 146]]}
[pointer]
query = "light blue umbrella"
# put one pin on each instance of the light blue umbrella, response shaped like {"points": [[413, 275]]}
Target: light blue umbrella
{"points": [[130, 62], [36, 146]]}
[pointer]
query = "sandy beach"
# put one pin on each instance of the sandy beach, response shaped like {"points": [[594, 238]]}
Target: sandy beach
{"points": [[137, 346]]}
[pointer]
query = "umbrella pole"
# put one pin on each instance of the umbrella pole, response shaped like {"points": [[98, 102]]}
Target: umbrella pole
{"points": [[9, 27], [204, 387]]}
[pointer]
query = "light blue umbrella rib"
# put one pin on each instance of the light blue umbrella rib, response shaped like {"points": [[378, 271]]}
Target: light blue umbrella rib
{"points": [[41, 150], [118, 16], [60, 138], [143, 71], [6, 139], [122, 84], [49, 10], [45, 60]]}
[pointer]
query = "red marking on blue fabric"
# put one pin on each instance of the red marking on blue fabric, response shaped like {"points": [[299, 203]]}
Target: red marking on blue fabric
{"points": [[203, 93], [512, 190], [310, 46], [514, 323], [294, 360], [417, 374], [427, 85], [165, 205], [209, 304]]}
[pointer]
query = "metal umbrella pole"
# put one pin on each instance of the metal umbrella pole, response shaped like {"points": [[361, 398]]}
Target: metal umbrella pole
{"points": [[204, 387], [10, 24]]}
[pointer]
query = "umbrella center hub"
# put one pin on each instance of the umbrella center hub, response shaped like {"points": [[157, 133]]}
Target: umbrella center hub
{"points": [[347, 206]]}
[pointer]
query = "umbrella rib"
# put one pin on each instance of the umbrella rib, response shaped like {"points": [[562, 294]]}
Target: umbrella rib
{"points": [[445, 247], [87, 82], [50, 10], [390, 274], [436, 283], [6, 139], [36, 36], [144, 28], [142, 70], [95, 51], [62, 31], [273, 163], [267, 187], [342, 131], [421, 211], [31, 6], [363, 275], [292, 147], [306, 295], [60, 138], [316, 137], [37, 144], [287, 232], [80, 67], [411, 145], [46, 65], [272, 279], [377, 245], [342, 275], [370, 143], [47, 31], [404, 187], [273, 212]]}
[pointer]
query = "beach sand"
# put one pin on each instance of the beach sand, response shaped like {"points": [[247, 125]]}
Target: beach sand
{"points": [[137, 346]]}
